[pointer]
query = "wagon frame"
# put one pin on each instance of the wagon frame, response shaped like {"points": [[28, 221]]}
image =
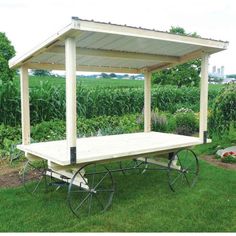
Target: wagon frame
{"points": [[104, 47]]}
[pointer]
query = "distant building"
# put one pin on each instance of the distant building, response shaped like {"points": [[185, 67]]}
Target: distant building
{"points": [[217, 72], [213, 69], [222, 71]]}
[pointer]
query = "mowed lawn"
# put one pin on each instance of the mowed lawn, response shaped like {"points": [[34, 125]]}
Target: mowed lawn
{"points": [[141, 203]]}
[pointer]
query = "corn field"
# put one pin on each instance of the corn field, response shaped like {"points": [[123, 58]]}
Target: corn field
{"points": [[47, 101]]}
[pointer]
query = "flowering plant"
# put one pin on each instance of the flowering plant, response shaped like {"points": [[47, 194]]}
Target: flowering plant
{"points": [[229, 157]]}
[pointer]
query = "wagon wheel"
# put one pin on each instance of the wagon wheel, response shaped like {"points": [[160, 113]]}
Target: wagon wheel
{"points": [[34, 177], [183, 169], [130, 166], [91, 190]]}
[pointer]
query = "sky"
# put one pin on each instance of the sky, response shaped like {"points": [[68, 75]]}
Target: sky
{"points": [[27, 23]]}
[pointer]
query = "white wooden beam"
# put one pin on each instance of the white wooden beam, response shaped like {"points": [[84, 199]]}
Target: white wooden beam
{"points": [[49, 66], [183, 59], [71, 131], [117, 54], [25, 109], [158, 67], [93, 26], [147, 101], [203, 98]]}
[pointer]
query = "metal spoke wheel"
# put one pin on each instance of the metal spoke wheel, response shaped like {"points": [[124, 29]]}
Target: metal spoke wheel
{"points": [[91, 190], [183, 169], [34, 177], [131, 166]]}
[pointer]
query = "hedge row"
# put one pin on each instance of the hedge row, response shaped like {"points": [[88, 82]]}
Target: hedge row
{"points": [[56, 130]]}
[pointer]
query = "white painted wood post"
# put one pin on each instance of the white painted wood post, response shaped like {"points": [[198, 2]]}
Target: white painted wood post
{"points": [[203, 98], [147, 101], [71, 132], [25, 109]]}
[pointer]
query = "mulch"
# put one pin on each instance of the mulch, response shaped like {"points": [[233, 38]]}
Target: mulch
{"points": [[217, 162], [9, 176], [10, 180]]}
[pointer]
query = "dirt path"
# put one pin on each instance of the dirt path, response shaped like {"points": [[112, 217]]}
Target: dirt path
{"points": [[9, 176]]}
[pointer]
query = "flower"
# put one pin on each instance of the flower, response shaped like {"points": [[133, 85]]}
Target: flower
{"points": [[229, 154], [229, 157], [226, 154]]}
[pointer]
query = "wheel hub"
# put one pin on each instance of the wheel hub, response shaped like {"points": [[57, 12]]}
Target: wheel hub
{"points": [[93, 190]]}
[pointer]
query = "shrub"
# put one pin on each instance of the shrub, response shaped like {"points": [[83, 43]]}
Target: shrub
{"points": [[223, 113], [159, 121], [186, 121], [8, 137], [56, 130], [171, 123]]}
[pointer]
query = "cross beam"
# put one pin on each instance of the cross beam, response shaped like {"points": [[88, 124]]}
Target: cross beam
{"points": [[117, 54], [51, 66]]}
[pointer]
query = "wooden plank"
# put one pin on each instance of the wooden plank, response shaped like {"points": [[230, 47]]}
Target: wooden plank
{"points": [[48, 66], [203, 96], [147, 102], [25, 111], [71, 131], [66, 176], [159, 163], [111, 148], [117, 54], [157, 67], [183, 59]]}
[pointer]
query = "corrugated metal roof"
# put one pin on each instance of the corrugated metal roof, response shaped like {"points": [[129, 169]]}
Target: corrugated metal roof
{"points": [[116, 48]]}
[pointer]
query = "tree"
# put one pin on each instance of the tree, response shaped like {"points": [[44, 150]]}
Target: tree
{"points": [[186, 74], [41, 72], [112, 75], [7, 51], [104, 75], [231, 76]]}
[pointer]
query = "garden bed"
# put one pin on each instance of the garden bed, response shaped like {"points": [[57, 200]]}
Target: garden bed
{"points": [[217, 162]]}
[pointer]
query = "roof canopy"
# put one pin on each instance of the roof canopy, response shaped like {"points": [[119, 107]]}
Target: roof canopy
{"points": [[105, 47]]}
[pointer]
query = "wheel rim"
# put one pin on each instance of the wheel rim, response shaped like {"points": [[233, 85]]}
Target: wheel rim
{"points": [[183, 169], [91, 190], [34, 177]]}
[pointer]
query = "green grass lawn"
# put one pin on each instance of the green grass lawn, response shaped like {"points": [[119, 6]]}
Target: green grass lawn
{"points": [[141, 203]]}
